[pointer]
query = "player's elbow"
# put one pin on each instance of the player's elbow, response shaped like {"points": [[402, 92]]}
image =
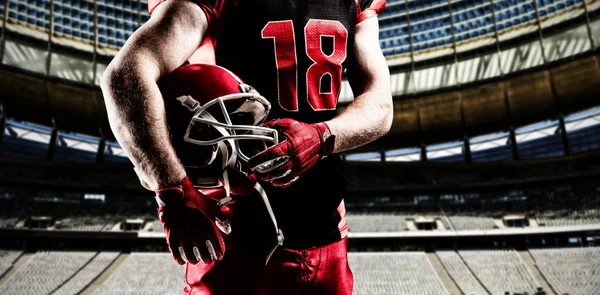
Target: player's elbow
{"points": [[115, 71], [109, 84], [107, 81], [387, 115], [120, 79]]}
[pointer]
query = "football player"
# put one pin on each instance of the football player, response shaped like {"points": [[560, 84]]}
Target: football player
{"points": [[294, 53]]}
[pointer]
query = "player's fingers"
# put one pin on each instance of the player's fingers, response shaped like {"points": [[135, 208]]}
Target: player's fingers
{"points": [[287, 182], [182, 253], [203, 239], [270, 159], [197, 253], [205, 255], [174, 248], [290, 179], [189, 253], [297, 173], [218, 246], [271, 162], [211, 250], [280, 123], [199, 234], [279, 172]]}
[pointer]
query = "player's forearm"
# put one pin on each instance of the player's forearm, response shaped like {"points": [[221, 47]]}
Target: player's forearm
{"points": [[366, 119], [369, 116], [137, 117]]}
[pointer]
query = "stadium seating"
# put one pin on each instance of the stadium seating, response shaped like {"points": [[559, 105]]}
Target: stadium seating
{"points": [[567, 270], [376, 222], [572, 271], [8, 222], [7, 258], [568, 217], [83, 223], [155, 226], [132, 276], [500, 271], [578, 210], [45, 271], [536, 144], [584, 139], [549, 211], [87, 274], [403, 273], [483, 214], [472, 222], [491, 149], [22, 141], [32, 142], [460, 273], [430, 24]]}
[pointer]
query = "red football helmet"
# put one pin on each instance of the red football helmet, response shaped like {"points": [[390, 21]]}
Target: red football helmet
{"points": [[209, 111], [207, 105]]}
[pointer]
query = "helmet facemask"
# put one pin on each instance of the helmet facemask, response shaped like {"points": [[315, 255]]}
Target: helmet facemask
{"points": [[219, 126]]}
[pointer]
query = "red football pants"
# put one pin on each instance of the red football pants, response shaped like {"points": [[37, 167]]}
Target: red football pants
{"points": [[314, 271]]}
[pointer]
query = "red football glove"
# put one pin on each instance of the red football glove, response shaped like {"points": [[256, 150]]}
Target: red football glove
{"points": [[305, 145], [190, 222]]}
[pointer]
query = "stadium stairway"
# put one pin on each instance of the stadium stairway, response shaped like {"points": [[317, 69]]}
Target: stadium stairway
{"points": [[17, 264], [443, 274], [98, 281], [535, 271]]}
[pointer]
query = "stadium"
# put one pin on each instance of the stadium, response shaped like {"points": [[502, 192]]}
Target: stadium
{"points": [[487, 183]]}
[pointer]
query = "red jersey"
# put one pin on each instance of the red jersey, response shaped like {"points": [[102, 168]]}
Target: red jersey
{"points": [[294, 53]]}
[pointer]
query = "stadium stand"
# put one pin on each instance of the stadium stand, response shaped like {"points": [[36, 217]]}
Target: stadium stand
{"points": [[45, 271], [405, 273], [472, 222], [155, 226], [25, 141], [432, 25], [575, 210], [376, 222], [7, 258], [85, 223], [460, 273], [86, 275], [481, 213], [424, 26], [30, 141], [67, 211], [132, 276], [572, 271], [8, 222], [543, 142], [499, 271]]}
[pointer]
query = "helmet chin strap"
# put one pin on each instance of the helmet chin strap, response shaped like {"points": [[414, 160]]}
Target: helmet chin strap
{"points": [[229, 161]]}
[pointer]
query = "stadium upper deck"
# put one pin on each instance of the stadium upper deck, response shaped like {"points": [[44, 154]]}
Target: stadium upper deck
{"points": [[412, 27], [431, 46]]}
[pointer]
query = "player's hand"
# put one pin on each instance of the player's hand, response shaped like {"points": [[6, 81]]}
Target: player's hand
{"points": [[304, 146], [190, 222]]}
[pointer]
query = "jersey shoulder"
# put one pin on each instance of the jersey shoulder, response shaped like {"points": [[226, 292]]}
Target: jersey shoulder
{"points": [[369, 8], [214, 9]]}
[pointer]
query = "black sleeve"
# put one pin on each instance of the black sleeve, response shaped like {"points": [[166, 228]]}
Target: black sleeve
{"points": [[364, 4]]}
